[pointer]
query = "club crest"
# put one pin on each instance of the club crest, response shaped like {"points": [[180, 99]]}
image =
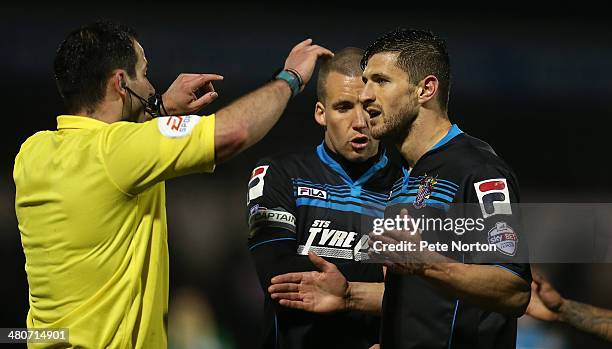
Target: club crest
{"points": [[425, 189]]}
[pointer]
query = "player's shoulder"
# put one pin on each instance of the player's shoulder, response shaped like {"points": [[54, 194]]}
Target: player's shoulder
{"points": [[393, 167], [471, 154], [290, 162], [388, 174], [293, 156]]}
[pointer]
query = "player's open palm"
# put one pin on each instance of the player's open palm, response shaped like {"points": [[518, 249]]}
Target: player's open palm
{"points": [[323, 291]]}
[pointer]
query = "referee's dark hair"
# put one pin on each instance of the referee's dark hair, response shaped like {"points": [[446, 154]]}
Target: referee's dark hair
{"points": [[345, 61], [421, 53], [85, 60]]}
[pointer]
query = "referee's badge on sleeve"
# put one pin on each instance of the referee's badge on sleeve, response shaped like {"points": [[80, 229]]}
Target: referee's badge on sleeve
{"points": [[493, 196], [177, 126]]}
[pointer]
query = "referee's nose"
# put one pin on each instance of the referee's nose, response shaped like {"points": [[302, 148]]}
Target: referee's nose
{"points": [[151, 89]]}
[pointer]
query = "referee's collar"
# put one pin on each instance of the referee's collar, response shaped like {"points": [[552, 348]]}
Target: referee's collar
{"points": [[75, 121]]}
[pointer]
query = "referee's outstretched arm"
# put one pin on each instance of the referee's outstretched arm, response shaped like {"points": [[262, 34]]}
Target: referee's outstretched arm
{"points": [[170, 147]]}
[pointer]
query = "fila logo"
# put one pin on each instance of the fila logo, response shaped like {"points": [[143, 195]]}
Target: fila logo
{"points": [[493, 196], [256, 183], [312, 192]]}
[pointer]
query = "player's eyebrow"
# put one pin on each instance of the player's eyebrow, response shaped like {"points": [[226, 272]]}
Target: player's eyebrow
{"points": [[342, 104], [379, 76]]}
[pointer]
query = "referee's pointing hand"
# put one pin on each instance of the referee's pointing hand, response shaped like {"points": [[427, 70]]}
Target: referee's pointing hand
{"points": [[181, 96]]}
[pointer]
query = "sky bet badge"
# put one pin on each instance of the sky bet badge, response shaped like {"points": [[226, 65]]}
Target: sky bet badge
{"points": [[504, 238], [425, 190]]}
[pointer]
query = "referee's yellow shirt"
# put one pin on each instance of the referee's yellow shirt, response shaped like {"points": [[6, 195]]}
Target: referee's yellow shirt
{"points": [[90, 201]]}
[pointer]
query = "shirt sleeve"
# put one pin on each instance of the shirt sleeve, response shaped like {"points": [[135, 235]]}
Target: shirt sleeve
{"points": [[270, 205], [493, 192], [271, 216], [139, 155]]}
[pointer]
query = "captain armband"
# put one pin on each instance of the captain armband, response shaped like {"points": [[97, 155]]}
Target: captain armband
{"points": [[262, 217]]}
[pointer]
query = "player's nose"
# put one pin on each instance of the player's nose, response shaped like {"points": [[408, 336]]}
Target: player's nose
{"points": [[367, 95], [360, 119]]}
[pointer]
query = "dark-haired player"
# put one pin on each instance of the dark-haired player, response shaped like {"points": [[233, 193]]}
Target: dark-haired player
{"points": [[428, 304]]}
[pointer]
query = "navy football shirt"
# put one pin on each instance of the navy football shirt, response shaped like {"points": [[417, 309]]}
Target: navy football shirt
{"points": [[460, 169], [308, 201]]}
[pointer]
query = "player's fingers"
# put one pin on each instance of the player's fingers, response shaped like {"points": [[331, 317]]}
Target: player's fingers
{"points": [[289, 277], [292, 304], [537, 277], [394, 235], [320, 263], [292, 296], [394, 267], [386, 255], [385, 238], [279, 288]]}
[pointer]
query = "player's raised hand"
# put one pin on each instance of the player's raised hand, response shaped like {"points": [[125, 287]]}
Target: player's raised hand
{"points": [[323, 291], [303, 58], [545, 300], [182, 96]]}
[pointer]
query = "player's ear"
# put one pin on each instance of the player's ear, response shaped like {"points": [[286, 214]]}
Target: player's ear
{"points": [[427, 88], [320, 114]]}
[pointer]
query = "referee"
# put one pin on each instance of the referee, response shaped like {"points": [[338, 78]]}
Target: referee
{"points": [[90, 197]]}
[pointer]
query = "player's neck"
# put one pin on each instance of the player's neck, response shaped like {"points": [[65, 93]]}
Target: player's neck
{"points": [[427, 129], [352, 168]]}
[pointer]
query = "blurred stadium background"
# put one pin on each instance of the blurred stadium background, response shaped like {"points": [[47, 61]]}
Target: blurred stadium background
{"points": [[536, 84]]}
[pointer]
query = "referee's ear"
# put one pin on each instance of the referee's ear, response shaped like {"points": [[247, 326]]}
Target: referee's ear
{"points": [[320, 114]]}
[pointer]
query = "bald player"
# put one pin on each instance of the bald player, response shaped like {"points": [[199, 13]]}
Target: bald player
{"points": [[318, 200]]}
